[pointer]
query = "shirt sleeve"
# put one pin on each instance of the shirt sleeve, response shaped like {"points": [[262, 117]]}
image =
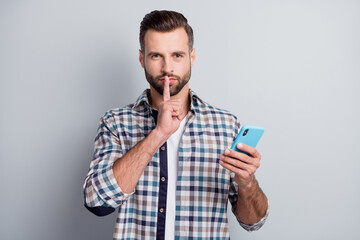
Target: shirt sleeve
{"points": [[102, 194], [256, 226]]}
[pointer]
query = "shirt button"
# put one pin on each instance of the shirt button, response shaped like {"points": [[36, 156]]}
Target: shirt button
{"points": [[163, 148], [163, 179], [161, 210]]}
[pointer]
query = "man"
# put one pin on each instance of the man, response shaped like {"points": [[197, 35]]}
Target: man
{"points": [[163, 161]]}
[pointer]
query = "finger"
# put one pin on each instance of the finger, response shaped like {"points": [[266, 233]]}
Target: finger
{"points": [[178, 114], [175, 108], [233, 162], [239, 156], [166, 92], [250, 150], [241, 172], [249, 167], [175, 113]]}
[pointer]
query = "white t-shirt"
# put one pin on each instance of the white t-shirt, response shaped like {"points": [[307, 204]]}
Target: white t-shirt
{"points": [[173, 144]]}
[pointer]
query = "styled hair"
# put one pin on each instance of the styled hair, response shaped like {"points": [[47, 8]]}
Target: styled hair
{"points": [[164, 21]]}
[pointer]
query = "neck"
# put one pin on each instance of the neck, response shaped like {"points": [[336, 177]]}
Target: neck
{"points": [[184, 96]]}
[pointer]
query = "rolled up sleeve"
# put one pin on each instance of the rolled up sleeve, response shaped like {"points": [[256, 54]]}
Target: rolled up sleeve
{"points": [[101, 191], [256, 226]]}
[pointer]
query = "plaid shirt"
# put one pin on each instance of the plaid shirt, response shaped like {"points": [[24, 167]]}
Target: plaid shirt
{"points": [[203, 185]]}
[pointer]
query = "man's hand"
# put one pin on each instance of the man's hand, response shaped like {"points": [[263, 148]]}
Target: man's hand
{"points": [[244, 166], [170, 113], [251, 203], [129, 168]]}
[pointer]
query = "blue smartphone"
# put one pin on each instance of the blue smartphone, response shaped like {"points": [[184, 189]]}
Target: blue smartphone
{"points": [[249, 135]]}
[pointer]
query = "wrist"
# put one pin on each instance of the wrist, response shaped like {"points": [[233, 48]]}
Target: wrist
{"points": [[248, 189], [157, 138]]}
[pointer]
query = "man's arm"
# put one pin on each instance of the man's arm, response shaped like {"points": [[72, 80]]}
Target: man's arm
{"points": [[112, 176], [113, 173], [251, 203], [129, 168]]}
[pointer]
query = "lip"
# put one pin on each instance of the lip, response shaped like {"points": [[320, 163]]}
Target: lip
{"points": [[171, 80]]}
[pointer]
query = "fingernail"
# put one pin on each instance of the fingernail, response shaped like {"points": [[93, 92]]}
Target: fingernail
{"points": [[239, 145], [222, 157], [227, 151]]}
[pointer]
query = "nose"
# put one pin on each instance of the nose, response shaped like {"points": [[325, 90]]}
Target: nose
{"points": [[167, 67]]}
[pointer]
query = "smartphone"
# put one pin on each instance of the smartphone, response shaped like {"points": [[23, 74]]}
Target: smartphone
{"points": [[249, 135]]}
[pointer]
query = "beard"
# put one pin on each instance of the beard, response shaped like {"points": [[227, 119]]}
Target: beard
{"points": [[175, 87]]}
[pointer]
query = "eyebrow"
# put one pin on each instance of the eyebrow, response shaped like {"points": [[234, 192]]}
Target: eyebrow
{"points": [[180, 52], [152, 53], [176, 52]]}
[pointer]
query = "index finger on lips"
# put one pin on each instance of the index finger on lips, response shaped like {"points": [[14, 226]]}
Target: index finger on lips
{"points": [[166, 92]]}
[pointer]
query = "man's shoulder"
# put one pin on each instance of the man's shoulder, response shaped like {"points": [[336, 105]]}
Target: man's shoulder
{"points": [[124, 112], [217, 119], [137, 109], [204, 108]]}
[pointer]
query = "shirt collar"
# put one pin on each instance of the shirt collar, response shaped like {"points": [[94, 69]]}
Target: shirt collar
{"points": [[143, 100]]}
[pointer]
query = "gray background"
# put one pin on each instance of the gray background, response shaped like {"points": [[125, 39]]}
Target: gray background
{"points": [[290, 66]]}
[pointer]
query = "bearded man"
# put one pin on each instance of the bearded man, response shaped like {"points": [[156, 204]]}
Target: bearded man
{"points": [[164, 161]]}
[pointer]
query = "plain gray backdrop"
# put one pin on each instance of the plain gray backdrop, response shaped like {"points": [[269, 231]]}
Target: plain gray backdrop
{"points": [[290, 66]]}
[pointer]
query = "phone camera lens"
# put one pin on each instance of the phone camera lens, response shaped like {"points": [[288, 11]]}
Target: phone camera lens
{"points": [[245, 132]]}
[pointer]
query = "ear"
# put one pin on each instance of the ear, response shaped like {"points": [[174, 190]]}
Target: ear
{"points": [[141, 58], [192, 57]]}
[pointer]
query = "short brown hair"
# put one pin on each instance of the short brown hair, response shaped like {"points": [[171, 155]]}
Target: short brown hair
{"points": [[164, 21]]}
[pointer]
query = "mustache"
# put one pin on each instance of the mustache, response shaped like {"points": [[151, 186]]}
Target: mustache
{"points": [[167, 75]]}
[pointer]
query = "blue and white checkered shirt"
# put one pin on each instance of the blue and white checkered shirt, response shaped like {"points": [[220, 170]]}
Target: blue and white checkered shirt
{"points": [[203, 185]]}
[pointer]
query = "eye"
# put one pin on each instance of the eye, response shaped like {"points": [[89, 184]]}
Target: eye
{"points": [[155, 55], [178, 55]]}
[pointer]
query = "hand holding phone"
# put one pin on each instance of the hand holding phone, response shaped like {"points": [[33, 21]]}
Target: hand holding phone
{"points": [[249, 135]]}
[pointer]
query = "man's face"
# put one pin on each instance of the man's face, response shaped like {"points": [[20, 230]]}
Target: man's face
{"points": [[167, 54]]}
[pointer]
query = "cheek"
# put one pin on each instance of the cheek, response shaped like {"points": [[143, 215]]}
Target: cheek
{"points": [[152, 67], [183, 67]]}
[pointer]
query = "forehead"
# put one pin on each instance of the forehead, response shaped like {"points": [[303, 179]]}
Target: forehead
{"points": [[176, 40]]}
